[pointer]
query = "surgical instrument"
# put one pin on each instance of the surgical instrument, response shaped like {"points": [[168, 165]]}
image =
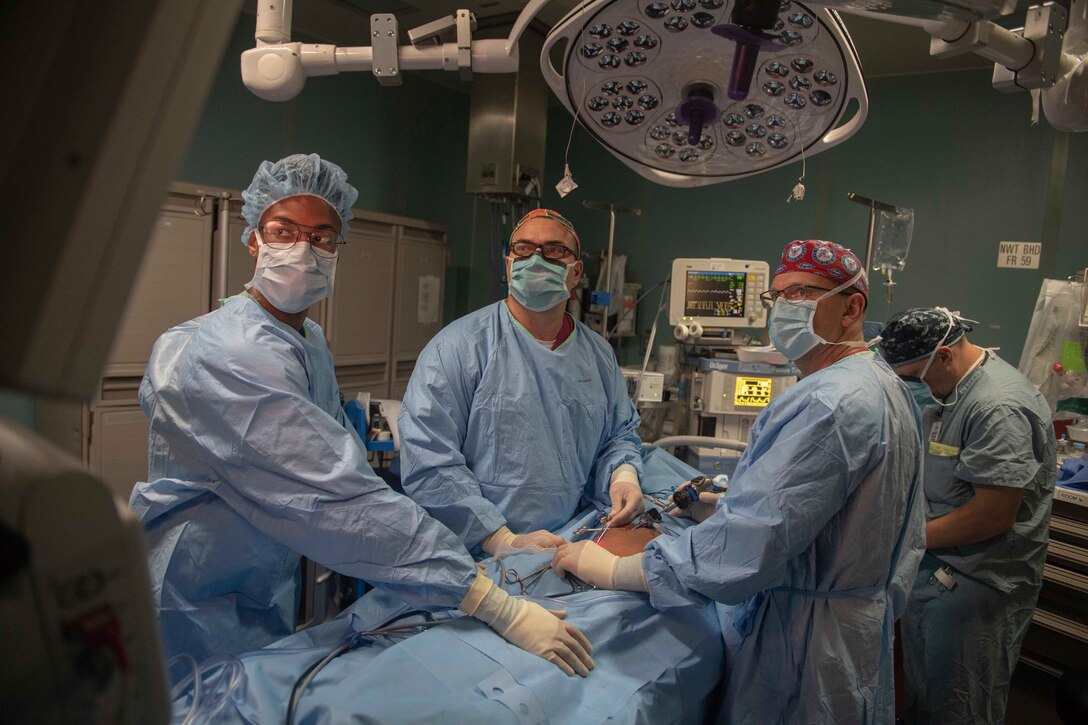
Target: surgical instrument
{"points": [[688, 492]]}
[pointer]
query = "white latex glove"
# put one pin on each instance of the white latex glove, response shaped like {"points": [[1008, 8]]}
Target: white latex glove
{"points": [[506, 537], [529, 626], [700, 510], [587, 561], [542, 539], [626, 495], [593, 564]]}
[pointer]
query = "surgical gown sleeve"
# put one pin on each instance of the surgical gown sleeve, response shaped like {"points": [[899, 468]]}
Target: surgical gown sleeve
{"points": [[433, 424], [803, 463], [620, 442], [300, 476]]}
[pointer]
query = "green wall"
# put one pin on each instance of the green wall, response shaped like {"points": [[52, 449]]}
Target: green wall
{"points": [[963, 155], [404, 148]]}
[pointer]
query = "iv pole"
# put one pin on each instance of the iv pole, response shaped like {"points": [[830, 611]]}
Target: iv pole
{"points": [[612, 209]]}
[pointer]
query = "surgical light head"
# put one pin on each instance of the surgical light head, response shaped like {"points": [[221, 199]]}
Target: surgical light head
{"points": [[297, 175], [654, 83]]}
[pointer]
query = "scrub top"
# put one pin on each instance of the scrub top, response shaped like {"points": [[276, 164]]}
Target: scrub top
{"points": [[498, 429], [996, 433]]}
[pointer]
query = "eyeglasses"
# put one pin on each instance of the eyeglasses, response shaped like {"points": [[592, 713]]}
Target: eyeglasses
{"points": [[549, 250], [794, 294], [281, 235]]}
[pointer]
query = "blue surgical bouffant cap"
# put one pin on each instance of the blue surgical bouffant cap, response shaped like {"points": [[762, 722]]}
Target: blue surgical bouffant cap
{"points": [[296, 175], [913, 335]]}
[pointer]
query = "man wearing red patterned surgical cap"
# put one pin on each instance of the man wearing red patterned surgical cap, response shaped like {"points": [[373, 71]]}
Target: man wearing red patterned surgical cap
{"points": [[824, 293], [813, 549]]}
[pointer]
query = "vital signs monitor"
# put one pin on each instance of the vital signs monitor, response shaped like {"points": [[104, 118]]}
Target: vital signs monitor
{"points": [[713, 294]]}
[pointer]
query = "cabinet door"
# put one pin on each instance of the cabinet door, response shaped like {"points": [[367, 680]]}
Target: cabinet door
{"points": [[174, 285], [421, 279], [119, 448], [359, 319], [233, 266]]}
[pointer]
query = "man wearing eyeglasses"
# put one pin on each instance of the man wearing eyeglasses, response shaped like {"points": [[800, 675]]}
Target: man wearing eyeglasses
{"points": [[252, 462], [516, 413], [814, 547]]}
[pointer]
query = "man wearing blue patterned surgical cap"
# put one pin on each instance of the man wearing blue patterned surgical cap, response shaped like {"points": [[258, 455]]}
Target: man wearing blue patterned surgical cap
{"points": [[253, 464], [989, 481]]}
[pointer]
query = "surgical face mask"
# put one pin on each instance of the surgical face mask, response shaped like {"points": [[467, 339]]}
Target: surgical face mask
{"points": [[921, 393], [537, 284], [790, 325], [294, 278]]}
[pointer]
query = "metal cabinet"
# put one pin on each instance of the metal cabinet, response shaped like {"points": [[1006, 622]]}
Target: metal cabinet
{"points": [[1058, 636], [359, 314], [420, 286], [386, 305], [174, 285]]}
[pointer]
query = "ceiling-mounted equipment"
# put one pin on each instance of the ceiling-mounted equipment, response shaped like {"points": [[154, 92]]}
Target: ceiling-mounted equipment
{"points": [[651, 81], [695, 92]]}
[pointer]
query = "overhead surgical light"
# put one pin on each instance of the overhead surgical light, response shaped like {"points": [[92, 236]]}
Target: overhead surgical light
{"points": [[732, 87], [695, 92]]}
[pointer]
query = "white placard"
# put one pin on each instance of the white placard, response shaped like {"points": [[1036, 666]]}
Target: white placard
{"points": [[1019, 255], [428, 302]]}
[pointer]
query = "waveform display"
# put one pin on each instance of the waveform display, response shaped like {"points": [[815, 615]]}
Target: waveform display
{"points": [[714, 294]]}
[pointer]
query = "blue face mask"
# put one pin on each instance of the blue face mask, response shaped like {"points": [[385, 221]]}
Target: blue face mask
{"points": [[790, 325], [921, 393], [537, 284]]}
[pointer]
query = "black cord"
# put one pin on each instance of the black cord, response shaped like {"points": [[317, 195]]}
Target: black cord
{"points": [[307, 677], [352, 642]]}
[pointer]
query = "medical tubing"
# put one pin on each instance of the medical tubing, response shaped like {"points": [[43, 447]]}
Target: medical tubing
{"points": [[228, 679], [650, 343], [353, 641], [231, 676], [183, 684]]}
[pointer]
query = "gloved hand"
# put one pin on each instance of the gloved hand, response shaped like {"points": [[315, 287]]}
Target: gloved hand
{"points": [[700, 510], [593, 564], [543, 539], [529, 626], [626, 495], [504, 536]]}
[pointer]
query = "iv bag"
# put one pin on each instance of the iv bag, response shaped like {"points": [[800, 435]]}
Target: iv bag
{"points": [[892, 239]]}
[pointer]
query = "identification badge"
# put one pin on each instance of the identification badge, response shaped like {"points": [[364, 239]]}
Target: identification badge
{"points": [[940, 449], [944, 576], [935, 430]]}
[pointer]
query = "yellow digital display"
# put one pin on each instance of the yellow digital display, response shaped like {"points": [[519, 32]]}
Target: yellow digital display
{"points": [[752, 392]]}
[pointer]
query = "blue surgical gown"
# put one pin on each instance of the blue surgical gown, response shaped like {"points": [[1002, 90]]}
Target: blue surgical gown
{"points": [[251, 465], [960, 646], [812, 551], [498, 429]]}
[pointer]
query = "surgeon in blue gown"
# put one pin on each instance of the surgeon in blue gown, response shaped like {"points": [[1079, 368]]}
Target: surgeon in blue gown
{"points": [[813, 549], [253, 464], [516, 413]]}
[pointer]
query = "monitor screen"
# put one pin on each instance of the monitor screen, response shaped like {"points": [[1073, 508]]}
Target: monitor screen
{"points": [[714, 293]]}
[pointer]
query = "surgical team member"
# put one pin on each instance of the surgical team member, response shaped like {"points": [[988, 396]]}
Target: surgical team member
{"points": [[515, 412], [989, 482], [252, 462], [819, 537]]}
